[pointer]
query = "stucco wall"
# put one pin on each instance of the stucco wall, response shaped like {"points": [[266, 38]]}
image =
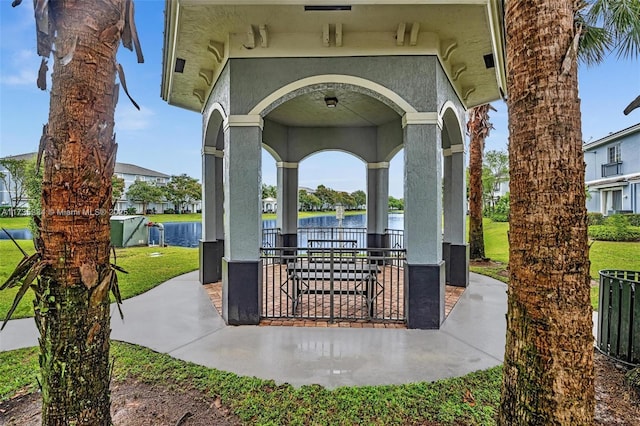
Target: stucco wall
{"points": [[411, 77]]}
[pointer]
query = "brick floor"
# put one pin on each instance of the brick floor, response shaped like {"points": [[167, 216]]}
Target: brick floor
{"points": [[351, 308]]}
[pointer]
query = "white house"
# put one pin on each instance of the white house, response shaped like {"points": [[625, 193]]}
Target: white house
{"points": [[613, 172], [131, 174]]}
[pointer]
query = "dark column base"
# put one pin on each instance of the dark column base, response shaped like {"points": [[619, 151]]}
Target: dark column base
{"points": [[446, 257], [241, 292], [376, 241], [424, 290], [211, 253], [459, 275], [288, 240]]}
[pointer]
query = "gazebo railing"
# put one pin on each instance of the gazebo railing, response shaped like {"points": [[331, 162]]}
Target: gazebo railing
{"points": [[619, 315], [333, 283], [395, 237]]}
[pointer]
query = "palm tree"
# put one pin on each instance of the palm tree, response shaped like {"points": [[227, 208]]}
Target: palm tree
{"points": [[72, 251], [478, 128], [610, 25], [548, 366]]}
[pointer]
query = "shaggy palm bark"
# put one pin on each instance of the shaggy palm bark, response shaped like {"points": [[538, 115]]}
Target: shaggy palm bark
{"points": [[72, 296], [548, 365], [478, 128]]}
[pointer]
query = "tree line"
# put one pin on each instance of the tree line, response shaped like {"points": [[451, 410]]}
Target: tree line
{"points": [[324, 198]]}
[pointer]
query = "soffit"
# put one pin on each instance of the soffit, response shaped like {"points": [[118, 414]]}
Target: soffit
{"points": [[367, 30]]}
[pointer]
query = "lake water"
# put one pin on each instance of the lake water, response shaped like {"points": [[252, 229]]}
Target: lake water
{"points": [[188, 234]]}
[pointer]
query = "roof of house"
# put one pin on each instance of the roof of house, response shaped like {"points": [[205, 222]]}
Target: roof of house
{"points": [[19, 157], [132, 169], [612, 137], [123, 168]]}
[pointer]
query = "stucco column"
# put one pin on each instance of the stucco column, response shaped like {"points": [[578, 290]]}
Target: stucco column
{"points": [[446, 207], [212, 242], [424, 269], [459, 249], [287, 215], [241, 265], [377, 204]]}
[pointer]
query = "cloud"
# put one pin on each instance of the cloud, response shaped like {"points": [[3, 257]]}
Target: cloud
{"points": [[129, 119], [23, 69]]}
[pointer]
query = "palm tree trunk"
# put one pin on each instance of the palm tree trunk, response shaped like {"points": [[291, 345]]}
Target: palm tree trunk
{"points": [[72, 297], [548, 366], [478, 128]]}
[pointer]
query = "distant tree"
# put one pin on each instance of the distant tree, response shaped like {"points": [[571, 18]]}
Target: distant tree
{"points": [[269, 191], [308, 202], [144, 193], [117, 184], [33, 185], [359, 197], [14, 180], [395, 203], [345, 199], [495, 170], [326, 195], [182, 189]]}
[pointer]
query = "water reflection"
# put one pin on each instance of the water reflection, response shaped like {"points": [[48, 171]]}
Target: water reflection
{"points": [[188, 234]]}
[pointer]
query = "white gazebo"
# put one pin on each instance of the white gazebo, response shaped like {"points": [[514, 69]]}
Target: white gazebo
{"points": [[368, 77]]}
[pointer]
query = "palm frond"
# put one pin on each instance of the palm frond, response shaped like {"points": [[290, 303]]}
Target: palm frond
{"points": [[621, 20], [595, 43]]}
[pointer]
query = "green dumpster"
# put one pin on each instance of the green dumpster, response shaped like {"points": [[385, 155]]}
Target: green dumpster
{"points": [[129, 231]]}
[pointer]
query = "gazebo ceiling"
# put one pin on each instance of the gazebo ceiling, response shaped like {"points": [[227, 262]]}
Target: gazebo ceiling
{"points": [[352, 110], [201, 35]]}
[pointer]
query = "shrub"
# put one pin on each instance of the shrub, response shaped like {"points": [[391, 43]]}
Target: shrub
{"points": [[169, 211], [501, 210], [634, 219], [595, 219], [612, 233]]}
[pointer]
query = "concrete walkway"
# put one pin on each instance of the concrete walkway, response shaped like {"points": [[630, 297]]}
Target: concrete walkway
{"points": [[177, 318]]}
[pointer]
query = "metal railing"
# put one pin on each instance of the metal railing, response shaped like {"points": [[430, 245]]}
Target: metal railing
{"points": [[619, 315], [395, 237], [611, 169], [359, 235], [333, 283]]}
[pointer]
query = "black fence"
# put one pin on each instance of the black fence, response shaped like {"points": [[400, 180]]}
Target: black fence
{"points": [[333, 279], [619, 315]]}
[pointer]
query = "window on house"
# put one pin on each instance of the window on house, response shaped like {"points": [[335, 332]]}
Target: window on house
{"points": [[614, 154]]}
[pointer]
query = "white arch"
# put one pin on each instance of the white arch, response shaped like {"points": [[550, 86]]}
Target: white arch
{"points": [[333, 78], [215, 107], [449, 105]]}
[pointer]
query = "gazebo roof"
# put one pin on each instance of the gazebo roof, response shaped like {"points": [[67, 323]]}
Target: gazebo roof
{"points": [[201, 36]]}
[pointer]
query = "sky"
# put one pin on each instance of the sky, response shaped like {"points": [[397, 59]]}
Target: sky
{"points": [[168, 139]]}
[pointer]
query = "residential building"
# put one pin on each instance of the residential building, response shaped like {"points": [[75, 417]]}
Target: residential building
{"points": [[129, 172], [613, 172]]}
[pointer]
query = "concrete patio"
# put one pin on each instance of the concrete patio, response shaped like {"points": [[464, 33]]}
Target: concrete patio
{"points": [[179, 319]]}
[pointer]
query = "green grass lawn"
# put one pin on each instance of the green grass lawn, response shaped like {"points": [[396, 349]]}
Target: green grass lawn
{"points": [[603, 254], [14, 222], [145, 271], [472, 399]]}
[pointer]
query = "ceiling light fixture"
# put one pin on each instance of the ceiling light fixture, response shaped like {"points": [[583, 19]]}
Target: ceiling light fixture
{"points": [[331, 101]]}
